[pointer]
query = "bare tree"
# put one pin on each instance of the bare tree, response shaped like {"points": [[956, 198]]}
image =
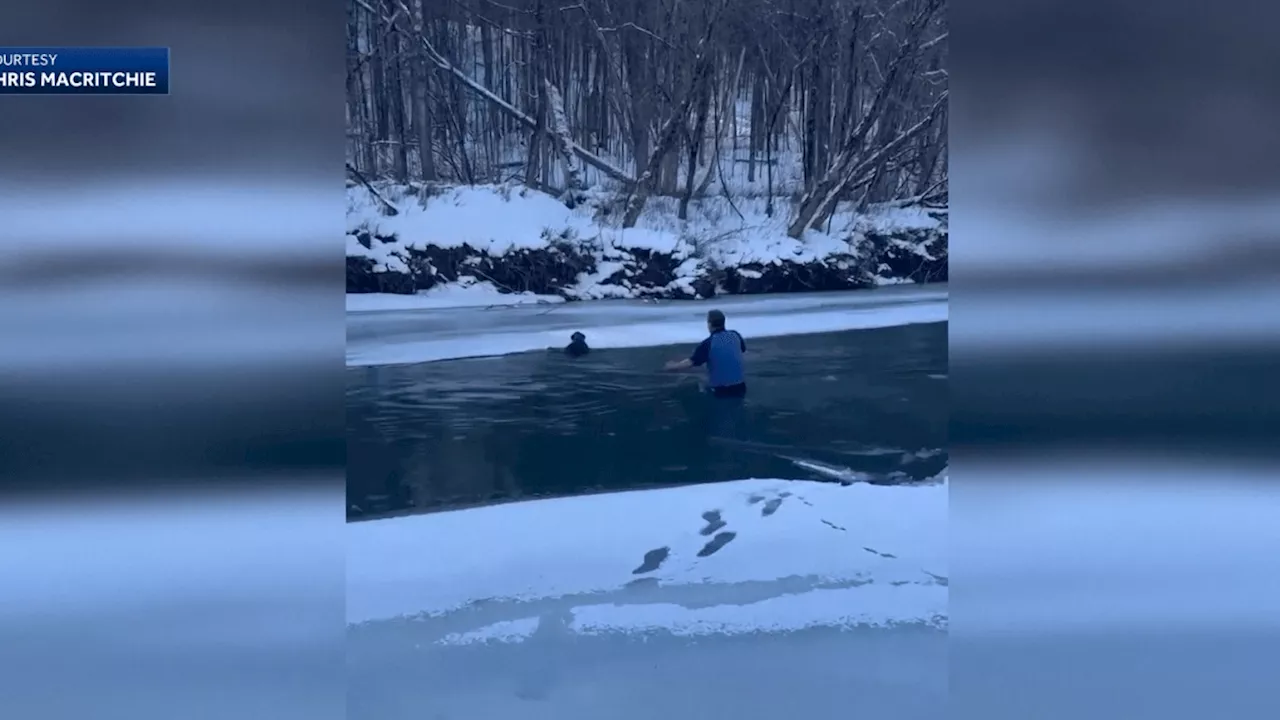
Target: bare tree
{"points": [[825, 104], [857, 158]]}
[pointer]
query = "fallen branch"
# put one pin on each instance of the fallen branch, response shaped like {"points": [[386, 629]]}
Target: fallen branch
{"points": [[392, 209], [921, 199]]}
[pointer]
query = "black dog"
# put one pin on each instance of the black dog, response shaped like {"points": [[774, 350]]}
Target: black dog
{"points": [[578, 345]]}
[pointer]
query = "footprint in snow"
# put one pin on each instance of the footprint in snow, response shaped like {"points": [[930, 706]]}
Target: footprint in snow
{"points": [[652, 560], [716, 543], [714, 522]]}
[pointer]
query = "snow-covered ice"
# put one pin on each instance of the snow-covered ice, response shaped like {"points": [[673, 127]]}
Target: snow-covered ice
{"points": [[797, 554], [868, 606], [425, 335], [504, 631]]}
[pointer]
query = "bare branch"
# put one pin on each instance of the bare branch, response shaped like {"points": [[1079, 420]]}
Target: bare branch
{"points": [[934, 42], [360, 178]]}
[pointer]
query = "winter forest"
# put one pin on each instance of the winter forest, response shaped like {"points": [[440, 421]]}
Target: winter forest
{"points": [[804, 105]]}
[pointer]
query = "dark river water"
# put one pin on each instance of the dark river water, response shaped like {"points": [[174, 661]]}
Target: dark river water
{"points": [[465, 432]]}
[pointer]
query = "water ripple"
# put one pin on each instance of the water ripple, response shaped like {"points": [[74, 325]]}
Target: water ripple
{"points": [[465, 431]]}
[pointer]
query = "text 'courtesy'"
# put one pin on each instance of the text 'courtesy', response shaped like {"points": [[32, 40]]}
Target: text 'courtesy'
{"points": [[84, 71]]}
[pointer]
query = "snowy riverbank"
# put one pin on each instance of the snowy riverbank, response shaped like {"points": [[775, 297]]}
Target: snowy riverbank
{"points": [[525, 244]]}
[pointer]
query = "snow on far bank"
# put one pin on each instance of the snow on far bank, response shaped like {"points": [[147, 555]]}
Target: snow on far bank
{"points": [[642, 326], [467, 293], [887, 541], [501, 218], [496, 219]]}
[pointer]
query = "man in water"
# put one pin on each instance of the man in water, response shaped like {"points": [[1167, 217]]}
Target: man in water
{"points": [[722, 353]]}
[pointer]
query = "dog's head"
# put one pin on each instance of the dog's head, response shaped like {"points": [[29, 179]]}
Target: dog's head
{"points": [[577, 337]]}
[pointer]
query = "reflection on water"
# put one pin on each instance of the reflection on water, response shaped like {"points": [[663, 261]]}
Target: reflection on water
{"points": [[539, 424]]}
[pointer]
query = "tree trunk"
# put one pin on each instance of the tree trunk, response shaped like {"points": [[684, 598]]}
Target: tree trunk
{"points": [[423, 122], [357, 90], [573, 185], [492, 129], [755, 126], [534, 158], [695, 148], [378, 95], [536, 70], [640, 107], [399, 122], [775, 111]]}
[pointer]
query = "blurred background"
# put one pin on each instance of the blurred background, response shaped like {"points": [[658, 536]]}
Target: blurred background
{"points": [[171, 418], [1116, 218], [171, 395]]}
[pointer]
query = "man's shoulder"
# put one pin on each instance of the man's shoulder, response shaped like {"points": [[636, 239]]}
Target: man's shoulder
{"points": [[725, 338]]}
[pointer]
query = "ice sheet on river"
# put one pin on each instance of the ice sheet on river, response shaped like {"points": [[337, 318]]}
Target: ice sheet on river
{"points": [[400, 336], [723, 558]]}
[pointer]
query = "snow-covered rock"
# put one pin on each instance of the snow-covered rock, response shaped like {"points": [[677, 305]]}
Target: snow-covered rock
{"points": [[520, 240]]}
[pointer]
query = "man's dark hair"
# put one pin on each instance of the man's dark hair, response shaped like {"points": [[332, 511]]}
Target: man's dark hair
{"points": [[715, 319]]}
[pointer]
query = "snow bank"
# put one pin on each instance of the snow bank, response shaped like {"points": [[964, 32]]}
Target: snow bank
{"points": [[522, 240], [855, 555], [491, 218], [467, 293]]}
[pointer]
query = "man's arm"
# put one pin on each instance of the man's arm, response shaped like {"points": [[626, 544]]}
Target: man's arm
{"points": [[699, 357]]}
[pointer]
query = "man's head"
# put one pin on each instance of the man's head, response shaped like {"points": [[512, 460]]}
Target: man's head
{"points": [[715, 321]]}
